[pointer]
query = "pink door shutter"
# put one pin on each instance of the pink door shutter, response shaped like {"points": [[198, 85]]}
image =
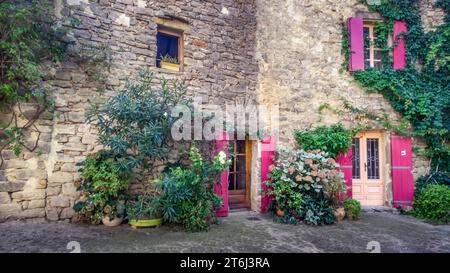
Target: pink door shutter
{"points": [[268, 148], [401, 164], [345, 166], [399, 52], [356, 41], [221, 188]]}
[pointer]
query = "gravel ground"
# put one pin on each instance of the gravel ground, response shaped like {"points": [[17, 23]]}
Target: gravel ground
{"points": [[240, 232]]}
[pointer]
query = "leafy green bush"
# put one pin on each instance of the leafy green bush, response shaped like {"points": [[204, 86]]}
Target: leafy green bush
{"points": [[102, 187], [136, 123], [317, 212], [431, 179], [142, 207], [333, 139], [433, 203], [298, 184], [352, 208], [187, 194]]}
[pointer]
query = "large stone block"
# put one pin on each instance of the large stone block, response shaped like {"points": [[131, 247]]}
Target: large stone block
{"points": [[4, 198], [66, 213], [52, 214], [60, 178], [11, 186], [11, 210], [69, 189], [32, 213], [52, 191], [34, 204], [32, 194], [59, 201]]}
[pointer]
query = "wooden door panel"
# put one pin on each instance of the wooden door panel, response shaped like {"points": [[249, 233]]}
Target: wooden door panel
{"points": [[239, 179], [369, 187]]}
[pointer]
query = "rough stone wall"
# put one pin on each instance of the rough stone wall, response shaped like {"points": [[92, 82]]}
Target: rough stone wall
{"points": [[275, 52], [23, 178], [219, 66], [300, 67], [431, 16]]}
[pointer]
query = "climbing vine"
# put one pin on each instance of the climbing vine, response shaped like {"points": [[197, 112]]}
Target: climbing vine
{"points": [[420, 91], [30, 43], [33, 43]]}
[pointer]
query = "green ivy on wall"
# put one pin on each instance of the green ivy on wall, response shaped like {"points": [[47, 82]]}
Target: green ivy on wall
{"points": [[29, 39], [421, 91]]}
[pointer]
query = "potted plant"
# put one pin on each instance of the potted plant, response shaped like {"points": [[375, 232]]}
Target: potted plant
{"points": [[335, 189], [352, 208], [145, 211], [113, 214], [102, 189], [169, 62]]}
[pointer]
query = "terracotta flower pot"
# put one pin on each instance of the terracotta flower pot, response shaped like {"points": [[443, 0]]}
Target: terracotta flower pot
{"points": [[280, 213], [339, 213], [112, 223]]}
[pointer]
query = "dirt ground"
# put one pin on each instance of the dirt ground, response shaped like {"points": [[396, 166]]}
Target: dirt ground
{"points": [[240, 232]]}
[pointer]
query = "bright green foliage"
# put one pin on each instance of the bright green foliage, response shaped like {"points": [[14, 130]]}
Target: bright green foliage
{"points": [[136, 123], [332, 139], [305, 185], [420, 92], [102, 187], [433, 203], [28, 39], [352, 208], [187, 196]]}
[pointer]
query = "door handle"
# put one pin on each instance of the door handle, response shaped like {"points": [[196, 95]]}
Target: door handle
{"points": [[365, 167]]}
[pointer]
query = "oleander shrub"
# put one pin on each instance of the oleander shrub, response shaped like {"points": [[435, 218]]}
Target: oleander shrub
{"points": [[136, 123]]}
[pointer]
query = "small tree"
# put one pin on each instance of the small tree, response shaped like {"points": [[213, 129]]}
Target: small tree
{"points": [[136, 123]]}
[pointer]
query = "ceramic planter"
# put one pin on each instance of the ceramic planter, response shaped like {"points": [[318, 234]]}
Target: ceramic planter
{"points": [[339, 213], [112, 223], [146, 223], [170, 66]]}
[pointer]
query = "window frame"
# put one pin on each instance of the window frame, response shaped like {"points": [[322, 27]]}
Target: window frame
{"points": [[370, 24], [177, 33]]}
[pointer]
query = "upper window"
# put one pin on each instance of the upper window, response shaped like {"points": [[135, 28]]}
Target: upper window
{"points": [[372, 54], [169, 49]]}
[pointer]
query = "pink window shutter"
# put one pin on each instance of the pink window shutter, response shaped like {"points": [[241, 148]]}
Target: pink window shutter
{"points": [[401, 164], [399, 52], [356, 41], [268, 148], [221, 188], [345, 166]]}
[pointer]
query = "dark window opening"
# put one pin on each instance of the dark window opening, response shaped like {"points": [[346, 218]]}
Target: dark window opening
{"points": [[168, 45]]}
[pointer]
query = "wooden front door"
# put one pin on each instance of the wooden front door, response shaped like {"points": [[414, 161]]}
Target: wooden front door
{"points": [[239, 175], [368, 168]]}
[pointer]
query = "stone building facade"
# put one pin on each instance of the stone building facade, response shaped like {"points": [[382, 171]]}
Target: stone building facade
{"points": [[270, 52]]}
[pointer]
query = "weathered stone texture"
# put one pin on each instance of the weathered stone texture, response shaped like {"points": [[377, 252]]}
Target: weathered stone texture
{"points": [[431, 16], [273, 52]]}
